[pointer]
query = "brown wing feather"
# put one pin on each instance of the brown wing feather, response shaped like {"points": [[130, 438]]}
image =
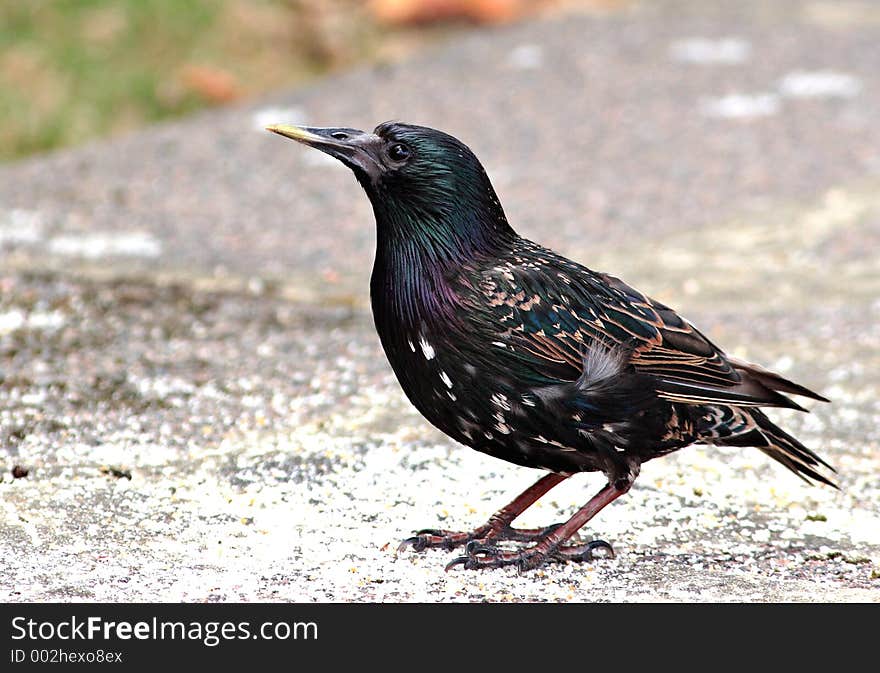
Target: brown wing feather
{"points": [[552, 318], [690, 368]]}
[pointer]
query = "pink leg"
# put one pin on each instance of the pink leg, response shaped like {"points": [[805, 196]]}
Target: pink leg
{"points": [[549, 545], [497, 527]]}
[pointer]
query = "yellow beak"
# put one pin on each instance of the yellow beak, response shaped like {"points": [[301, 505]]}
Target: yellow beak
{"points": [[295, 133]]}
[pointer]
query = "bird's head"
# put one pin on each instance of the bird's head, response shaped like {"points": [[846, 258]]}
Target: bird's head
{"points": [[421, 182]]}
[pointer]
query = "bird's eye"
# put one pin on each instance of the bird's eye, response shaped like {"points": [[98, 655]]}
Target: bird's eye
{"points": [[399, 152], [339, 135]]}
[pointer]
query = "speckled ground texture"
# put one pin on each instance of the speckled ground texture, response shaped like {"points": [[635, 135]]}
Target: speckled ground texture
{"points": [[189, 373]]}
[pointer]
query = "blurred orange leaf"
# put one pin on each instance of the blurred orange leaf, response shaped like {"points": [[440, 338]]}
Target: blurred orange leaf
{"points": [[403, 12], [211, 83]]}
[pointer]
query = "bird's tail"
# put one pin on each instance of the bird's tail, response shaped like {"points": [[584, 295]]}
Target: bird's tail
{"points": [[753, 428]]}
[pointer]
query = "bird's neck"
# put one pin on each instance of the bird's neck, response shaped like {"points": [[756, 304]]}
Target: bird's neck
{"points": [[419, 252]]}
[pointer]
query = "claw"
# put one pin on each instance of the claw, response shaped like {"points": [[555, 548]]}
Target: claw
{"points": [[433, 531], [530, 562], [601, 544], [584, 552], [417, 542], [460, 560], [436, 538], [476, 548]]}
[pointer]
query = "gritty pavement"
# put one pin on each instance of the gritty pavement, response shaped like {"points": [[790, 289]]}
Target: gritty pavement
{"points": [[190, 378]]}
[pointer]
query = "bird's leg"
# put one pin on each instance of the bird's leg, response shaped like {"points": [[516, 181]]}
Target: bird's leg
{"points": [[497, 527], [550, 546]]}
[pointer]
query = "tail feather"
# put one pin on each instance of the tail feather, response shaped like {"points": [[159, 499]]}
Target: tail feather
{"points": [[780, 446], [774, 381]]}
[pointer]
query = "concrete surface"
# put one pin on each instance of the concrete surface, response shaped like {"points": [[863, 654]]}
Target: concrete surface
{"points": [[189, 374]]}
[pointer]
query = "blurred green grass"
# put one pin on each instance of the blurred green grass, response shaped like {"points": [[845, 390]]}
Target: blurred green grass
{"points": [[71, 70]]}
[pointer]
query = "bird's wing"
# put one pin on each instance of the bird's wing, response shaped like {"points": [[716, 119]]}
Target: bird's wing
{"points": [[551, 314], [687, 365]]}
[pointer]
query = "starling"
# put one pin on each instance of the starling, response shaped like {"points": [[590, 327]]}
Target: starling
{"points": [[513, 350]]}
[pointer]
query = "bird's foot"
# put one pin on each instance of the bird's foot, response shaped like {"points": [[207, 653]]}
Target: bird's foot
{"points": [[431, 538], [479, 555]]}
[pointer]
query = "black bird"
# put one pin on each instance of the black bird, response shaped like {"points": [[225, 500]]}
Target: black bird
{"points": [[520, 353]]}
